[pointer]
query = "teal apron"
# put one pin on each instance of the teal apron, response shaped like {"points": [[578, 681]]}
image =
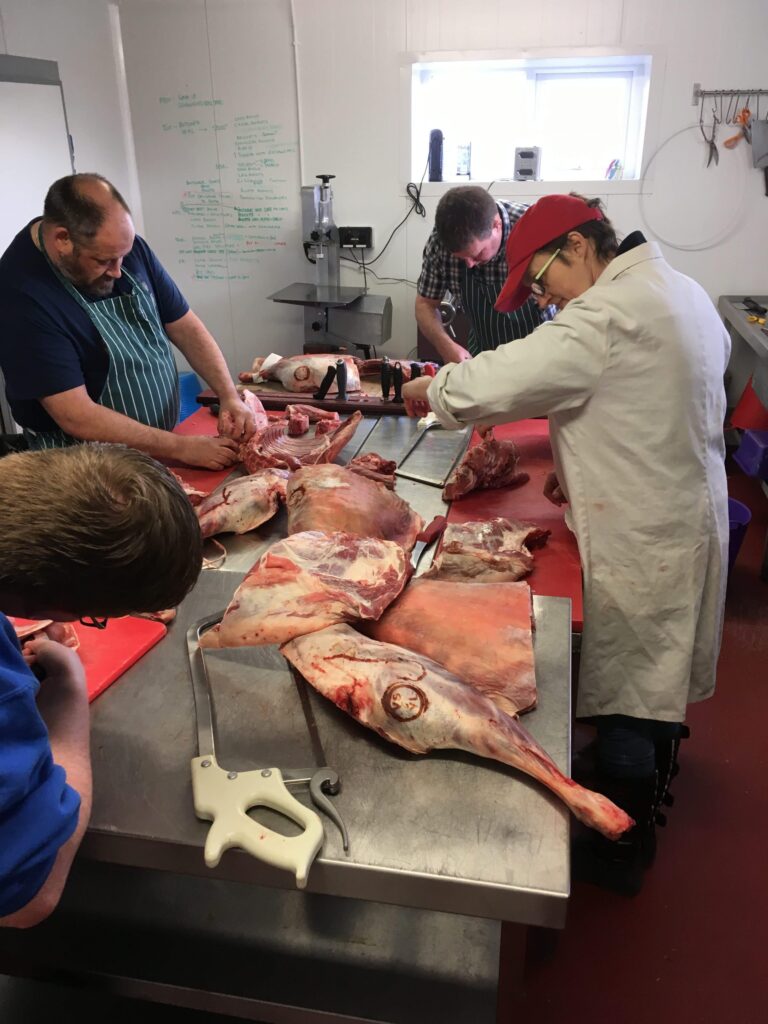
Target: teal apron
{"points": [[142, 380], [489, 329]]}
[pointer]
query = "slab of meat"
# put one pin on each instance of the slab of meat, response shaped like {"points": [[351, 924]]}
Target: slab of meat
{"points": [[307, 582], [274, 447], [314, 414], [491, 550], [298, 424], [33, 629], [489, 464], [481, 632], [195, 496], [414, 702], [325, 427], [331, 498], [304, 372], [243, 504], [375, 467]]}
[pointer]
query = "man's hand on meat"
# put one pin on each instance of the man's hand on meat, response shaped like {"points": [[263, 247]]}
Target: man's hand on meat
{"points": [[553, 491], [236, 420], [415, 397]]}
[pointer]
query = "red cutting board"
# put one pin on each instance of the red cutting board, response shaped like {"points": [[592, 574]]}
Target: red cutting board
{"points": [[107, 653], [557, 568]]}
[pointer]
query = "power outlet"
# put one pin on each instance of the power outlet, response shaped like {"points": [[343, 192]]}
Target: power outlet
{"points": [[356, 238]]}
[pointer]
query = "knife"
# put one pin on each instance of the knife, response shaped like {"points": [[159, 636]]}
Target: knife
{"points": [[397, 382], [328, 379], [428, 536], [341, 379], [386, 378]]}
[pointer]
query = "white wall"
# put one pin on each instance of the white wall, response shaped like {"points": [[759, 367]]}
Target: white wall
{"points": [[78, 35]]}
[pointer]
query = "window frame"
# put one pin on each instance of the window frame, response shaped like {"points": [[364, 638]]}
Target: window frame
{"points": [[548, 61]]}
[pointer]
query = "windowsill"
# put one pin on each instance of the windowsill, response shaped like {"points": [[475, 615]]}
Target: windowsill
{"points": [[504, 188]]}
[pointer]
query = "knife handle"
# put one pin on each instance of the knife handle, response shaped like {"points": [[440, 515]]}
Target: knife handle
{"points": [[397, 382], [328, 379], [386, 378], [341, 379], [415, 370], [433, 530]]}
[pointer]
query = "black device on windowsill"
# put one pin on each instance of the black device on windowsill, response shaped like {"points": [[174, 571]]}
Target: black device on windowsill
{"points": [[754, 307]]}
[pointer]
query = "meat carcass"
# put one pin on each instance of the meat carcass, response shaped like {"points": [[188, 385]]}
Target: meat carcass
{"points": [[492, 550], [304, 372], [243, 504], [489, 464], [307, 582], [274, 447], [481, 632], [331, 498], [414, 702]]}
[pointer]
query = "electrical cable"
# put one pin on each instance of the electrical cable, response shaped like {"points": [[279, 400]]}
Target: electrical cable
{"points": [[734, 222], [413, 192], [379, 277]]}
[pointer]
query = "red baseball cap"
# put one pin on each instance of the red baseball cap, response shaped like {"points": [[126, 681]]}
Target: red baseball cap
{"points": [[546, 220]]}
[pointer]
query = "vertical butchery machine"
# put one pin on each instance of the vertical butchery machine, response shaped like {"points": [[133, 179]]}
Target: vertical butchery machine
{"points": [[337, 318]]}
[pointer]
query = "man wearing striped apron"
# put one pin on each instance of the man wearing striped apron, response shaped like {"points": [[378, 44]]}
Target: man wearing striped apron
{"points": [[88, 315], [466, 256]]}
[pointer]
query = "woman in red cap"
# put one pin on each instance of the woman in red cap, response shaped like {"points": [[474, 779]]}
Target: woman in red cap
{"points": [[630, 373]]}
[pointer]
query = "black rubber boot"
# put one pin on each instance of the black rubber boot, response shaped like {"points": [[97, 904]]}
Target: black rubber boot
{"points": [[619, 865], [667, 765]]}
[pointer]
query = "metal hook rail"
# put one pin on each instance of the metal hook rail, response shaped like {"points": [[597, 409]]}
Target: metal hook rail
{"points": [[732, 95]]}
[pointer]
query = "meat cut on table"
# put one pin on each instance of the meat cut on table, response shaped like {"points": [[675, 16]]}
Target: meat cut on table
{"points": [[416, 703], [308, 581], [34, 629], [331, 497], [489, 464], [243, 504], [488, 550], [375, 467], [303, 373], [481, 632], [273, 446]]}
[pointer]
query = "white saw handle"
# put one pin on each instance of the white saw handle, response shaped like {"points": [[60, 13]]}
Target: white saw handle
{"points": [[225, 798]]}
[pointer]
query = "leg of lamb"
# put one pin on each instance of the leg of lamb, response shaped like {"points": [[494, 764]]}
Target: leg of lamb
{"points": [[243, 504], [414, 702]]}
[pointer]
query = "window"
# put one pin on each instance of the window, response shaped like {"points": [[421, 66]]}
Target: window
{"points": [[585, 114]]}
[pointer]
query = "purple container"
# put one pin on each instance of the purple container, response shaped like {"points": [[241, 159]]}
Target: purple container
{"points": [[738, 521]]}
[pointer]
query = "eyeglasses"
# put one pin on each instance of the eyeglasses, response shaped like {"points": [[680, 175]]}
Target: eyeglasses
{"points": [[91, 620], [537, 288]]}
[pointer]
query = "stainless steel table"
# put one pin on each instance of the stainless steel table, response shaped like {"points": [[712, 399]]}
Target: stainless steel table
{"points": [[404, 926], [749, 354]]}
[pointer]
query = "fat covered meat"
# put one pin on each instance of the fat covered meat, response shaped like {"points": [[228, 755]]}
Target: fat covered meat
{"points": [[334, 498], [243, 504], [416, 703], [479, 631], [307, 582]]}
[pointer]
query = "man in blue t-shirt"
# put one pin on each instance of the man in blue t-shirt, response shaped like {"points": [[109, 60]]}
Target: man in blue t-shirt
{"points": [[88, 319], [75, 541]]}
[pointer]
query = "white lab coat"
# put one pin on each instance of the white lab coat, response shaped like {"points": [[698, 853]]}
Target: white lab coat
{"points": [[631, 376]]}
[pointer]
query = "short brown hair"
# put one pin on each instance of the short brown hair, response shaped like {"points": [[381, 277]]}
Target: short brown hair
{"points": [[68, 206], [95, 529], [464, 214]]}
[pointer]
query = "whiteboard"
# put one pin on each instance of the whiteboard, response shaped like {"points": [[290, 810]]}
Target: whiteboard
{"points": [[35, 147], [215, 130]]}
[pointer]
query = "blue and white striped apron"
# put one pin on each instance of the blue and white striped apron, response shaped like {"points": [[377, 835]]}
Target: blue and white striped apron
{"points": [[489, 328], [142, 380]]}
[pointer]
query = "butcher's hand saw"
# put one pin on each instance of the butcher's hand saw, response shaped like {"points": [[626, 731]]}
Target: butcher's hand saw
{"points": [[225, 797]]}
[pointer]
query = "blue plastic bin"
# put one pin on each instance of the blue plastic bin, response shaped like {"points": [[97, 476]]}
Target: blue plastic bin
{"points": [[752, 453], [189, 388], [738, 521]]}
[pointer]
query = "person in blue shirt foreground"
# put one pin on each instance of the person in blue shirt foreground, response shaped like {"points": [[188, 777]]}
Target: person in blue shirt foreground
{"points": [[87, 531], [89, 318]]}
